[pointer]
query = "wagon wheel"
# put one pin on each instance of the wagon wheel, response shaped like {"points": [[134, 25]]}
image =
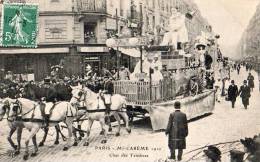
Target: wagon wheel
{"points": [[130, 115]]}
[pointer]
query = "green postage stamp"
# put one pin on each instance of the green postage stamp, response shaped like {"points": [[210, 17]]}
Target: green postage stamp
{"points": [[19, 25]]}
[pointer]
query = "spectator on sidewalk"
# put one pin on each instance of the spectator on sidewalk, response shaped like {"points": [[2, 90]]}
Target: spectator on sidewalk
{"points": [[177, 131], [232, 93], [238, 69], [244, 92], [218, 86], [250, 79]]}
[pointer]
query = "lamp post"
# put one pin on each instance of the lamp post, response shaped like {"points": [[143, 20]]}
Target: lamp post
{"points": [[111, 42]]}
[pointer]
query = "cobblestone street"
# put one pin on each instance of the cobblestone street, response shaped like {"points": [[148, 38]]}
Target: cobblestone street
{"points": [[225, 124]]}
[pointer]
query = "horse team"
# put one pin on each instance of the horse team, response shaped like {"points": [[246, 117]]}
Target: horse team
{"points": [[84, 104]]}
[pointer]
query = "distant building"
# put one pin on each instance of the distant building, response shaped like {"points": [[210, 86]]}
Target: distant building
{"points": [[76, 32], [250, 42]]}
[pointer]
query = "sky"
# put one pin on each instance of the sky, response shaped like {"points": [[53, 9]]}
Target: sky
{"points": [[229, 18]]}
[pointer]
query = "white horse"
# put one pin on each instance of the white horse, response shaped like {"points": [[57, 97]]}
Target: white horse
{"points": [[30, 114], [17, 125], [96, 110]]}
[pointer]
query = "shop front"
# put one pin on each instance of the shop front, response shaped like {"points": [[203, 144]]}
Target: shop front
{"points": [[30, 64]]}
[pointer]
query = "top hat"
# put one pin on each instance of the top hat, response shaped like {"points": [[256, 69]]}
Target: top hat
{"points": [[177, 105], [47, 80], [213, 153]]}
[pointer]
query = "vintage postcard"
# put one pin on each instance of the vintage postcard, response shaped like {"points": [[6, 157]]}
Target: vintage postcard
{"points": [[129, 80]]}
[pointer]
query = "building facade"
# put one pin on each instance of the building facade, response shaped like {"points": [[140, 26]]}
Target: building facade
{"points": [[250, 41], [75, 31]]}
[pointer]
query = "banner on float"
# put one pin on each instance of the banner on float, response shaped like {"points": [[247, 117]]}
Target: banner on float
{"points": [[193, 106]]}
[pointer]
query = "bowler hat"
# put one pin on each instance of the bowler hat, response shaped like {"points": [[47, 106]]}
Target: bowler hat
{"points": [[245, 81], [250, 144], [236, 155], [213, 153], [177, 105]]}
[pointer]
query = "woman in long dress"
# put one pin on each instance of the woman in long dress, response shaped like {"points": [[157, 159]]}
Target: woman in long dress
{"points": [[17, 23]]}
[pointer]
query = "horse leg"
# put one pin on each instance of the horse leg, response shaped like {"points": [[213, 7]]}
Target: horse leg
{"points": [[35, 146], [46, 130], [119, 124], [102, 124], [90, 123], [57, 128], [9, 138], [33, 133], [79, 127], [19, 136], [126, 119], [69, 123], [64, 138]]}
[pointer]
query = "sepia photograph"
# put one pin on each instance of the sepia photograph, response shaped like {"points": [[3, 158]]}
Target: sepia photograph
{"points": [[129, 81]]}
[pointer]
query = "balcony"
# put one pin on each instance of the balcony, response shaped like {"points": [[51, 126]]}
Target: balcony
{"points": [[97, 6]]}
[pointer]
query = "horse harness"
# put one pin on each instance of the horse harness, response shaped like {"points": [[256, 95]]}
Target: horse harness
{"points": [[19, 116]]}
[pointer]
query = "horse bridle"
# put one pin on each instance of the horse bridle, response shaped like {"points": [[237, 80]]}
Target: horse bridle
{"points": [[17, 108]]}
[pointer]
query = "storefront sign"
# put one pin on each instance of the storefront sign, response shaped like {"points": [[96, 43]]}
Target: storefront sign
{"points": [[93, 49], [19, 25], [92, 58], [35, 51]]}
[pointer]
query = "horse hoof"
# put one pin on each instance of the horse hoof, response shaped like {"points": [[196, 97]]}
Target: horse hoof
{"points": [[104, 141], [41, 144], [117, 134], [129, 131], [33, 154], [75, 143], [56, 142], [86, 144], [81, 134], [25, 157], [65, 148], [102, 132], [16, 152], [110, 129]]}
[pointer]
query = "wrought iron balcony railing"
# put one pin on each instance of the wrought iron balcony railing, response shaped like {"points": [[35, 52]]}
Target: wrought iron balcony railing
{"points": [[92, 6]]}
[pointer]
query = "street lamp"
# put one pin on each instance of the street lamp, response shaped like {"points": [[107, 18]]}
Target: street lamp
{"points": [[111, 42]]}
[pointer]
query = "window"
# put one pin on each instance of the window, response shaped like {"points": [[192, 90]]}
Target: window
{"points": [[89, 33], [55, 0]]}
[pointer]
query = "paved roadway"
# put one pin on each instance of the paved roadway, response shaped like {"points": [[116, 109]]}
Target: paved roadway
{"points": [[225, 124]]}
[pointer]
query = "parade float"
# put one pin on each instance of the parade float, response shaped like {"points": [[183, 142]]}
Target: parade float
{"points": [[191, 65]]}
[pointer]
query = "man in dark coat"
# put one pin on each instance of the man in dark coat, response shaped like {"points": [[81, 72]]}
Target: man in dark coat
{"points": [[238, 69], [244, 92], [177, 130], [232, 93], [250, 80]]}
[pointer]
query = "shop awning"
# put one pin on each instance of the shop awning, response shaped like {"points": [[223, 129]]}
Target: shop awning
{"points": [[133, 52], [35, 50]]}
